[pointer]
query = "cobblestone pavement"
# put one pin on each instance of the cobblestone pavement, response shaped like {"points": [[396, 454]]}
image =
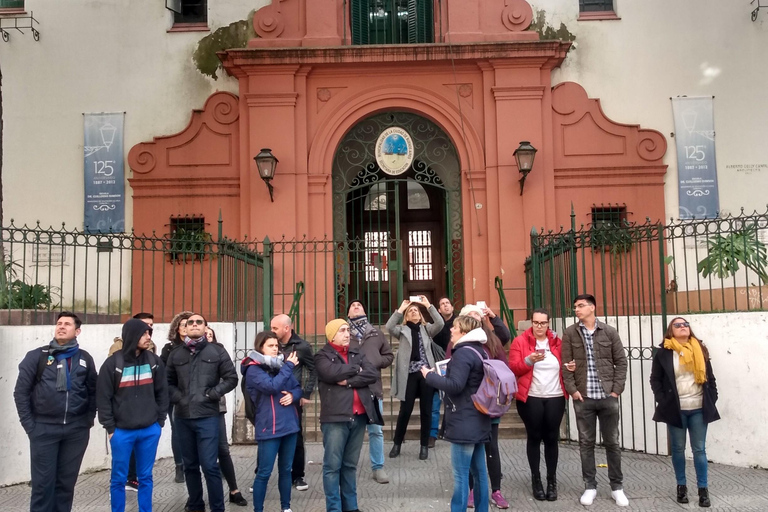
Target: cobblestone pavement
{"points": [[427, 485]]}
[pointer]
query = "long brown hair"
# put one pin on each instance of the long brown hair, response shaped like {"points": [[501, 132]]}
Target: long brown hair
{"points": [[173, 330], [670, 336]]}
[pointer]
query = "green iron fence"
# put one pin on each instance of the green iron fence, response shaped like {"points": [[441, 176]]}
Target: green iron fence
{"points": [[106, 277], [642, 275]]}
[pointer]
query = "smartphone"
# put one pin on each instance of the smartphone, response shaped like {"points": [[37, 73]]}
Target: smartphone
{"points": [[414, 298], [481, 304], [541, 351]]}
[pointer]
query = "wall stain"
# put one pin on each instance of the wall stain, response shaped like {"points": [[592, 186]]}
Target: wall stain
{"points": [[548, 32], [234, 35]]}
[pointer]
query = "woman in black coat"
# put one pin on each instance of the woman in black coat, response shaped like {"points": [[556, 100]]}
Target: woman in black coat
{"points": [[685, 391]]}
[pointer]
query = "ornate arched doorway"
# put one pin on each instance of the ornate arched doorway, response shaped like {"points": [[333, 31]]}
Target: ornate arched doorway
{"points": [[399, 225]]}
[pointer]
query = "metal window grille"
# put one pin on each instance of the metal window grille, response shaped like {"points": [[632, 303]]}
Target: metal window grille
{"points": [[420, 255], [189, 239], [392, 21], [595, 5], [11, 4]]}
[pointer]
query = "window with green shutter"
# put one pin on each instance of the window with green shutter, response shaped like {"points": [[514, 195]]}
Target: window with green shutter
{"points": [[392, 21]]}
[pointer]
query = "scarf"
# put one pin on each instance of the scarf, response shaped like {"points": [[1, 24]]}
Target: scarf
{"points": [[271, 362], [344, 351], [691, 357], [192, 344], [418, 354], [64, 352], [359, 326]]}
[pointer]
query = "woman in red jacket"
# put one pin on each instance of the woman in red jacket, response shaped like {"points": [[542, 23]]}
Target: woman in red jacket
{"points": [[535, 360]]}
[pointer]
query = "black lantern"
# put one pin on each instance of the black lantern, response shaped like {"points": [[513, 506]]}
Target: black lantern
{"points": [[524, 155], [267, 165]]}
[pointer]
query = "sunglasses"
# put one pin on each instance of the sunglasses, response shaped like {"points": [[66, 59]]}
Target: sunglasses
{"points": [[680, 324], [150, 332], [198, 321]]}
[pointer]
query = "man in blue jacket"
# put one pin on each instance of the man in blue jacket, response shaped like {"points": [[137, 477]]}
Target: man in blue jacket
{"points": [[132, 397], [55, 397]]}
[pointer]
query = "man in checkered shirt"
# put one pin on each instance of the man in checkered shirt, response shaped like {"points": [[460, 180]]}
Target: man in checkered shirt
{"points": [[595, 385]]}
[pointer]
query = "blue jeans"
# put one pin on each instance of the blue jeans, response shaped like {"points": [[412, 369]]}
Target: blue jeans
{"points": [[376, 441], [282, 449], [199, 441], [436, 402], [693, 422], [466, 458], [144, 442], [341, 444]]}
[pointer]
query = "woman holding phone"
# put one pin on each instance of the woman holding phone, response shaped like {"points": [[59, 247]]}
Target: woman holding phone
{"points": [[535, 359], [685, 391], [415, 352]]}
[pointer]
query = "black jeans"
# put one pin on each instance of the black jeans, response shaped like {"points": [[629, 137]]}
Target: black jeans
{"points": [[225, 459], [199, 439], [416, 388], [56, 452], [297, 471], [587, 414], [175, 443], [542, 418], [492, 461]]}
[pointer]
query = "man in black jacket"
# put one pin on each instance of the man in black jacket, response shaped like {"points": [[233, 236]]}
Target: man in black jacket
{"points": [[132, 398], [375, 347], [199, 374], [55, 397], [290, 342], [347, 405]]}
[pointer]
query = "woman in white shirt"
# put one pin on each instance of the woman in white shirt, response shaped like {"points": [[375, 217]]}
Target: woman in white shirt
{"points": [[685, 391], [535, 360]]}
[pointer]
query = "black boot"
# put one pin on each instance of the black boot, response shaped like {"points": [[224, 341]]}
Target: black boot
{"points": [[179, 474], [424, 453], [551, 488], [395, 451], [704, 497], [682, 494], [538, 488]]}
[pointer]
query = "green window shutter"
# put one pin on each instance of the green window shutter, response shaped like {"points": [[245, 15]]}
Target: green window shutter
{"points": [[359, 21], [420, 26]]}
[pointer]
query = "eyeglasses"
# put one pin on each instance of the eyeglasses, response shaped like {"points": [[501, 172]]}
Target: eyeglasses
{"points": [[198, 321], [540, 324], [579, 306], [678, 325]]}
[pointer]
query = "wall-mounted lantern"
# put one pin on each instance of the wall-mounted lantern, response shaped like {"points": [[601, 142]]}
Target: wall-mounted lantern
{"points": [[267, 165], [524, 156]]}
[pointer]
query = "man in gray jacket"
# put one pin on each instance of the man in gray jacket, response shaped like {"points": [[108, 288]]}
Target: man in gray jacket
{"points": [[375, 347], [595, 385]]}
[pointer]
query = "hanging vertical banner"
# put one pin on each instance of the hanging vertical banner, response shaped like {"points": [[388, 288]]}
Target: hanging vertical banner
{"points": [[104, 173], [696, 165]]}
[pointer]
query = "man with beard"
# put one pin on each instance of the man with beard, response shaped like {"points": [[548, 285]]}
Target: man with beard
{"points": [[55, 397], [199, 374]]}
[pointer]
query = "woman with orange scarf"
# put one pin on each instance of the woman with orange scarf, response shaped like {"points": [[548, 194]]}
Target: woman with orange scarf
{"points": [[685, 392]]}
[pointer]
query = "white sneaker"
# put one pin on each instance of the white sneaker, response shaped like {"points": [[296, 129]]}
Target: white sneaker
{"points": [[287, 510], [588, 497], [620, 498]]}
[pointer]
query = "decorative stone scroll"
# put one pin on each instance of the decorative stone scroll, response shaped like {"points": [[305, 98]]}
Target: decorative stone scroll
{"points": [[517, 15]]}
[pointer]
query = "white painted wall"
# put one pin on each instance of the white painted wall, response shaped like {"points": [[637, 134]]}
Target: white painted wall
{"points": [[661, 49], [738, 344], [96, 339]]}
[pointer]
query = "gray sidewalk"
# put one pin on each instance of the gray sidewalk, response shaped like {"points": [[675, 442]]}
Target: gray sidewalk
{"points": [[427, 485]]}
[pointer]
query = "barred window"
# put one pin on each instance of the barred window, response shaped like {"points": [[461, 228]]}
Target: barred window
{"points": [[392, 21], [188, 239], [595, 5]]}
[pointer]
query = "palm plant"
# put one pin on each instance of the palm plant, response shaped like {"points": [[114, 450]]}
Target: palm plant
{"points": [[726, 253]]}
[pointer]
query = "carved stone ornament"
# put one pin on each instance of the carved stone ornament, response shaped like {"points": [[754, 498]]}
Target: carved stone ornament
{"points": [[516, 15], [268, 21]]}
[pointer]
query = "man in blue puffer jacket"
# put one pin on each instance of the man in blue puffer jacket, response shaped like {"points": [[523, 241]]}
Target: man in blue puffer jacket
{"points": [[55, 397]]}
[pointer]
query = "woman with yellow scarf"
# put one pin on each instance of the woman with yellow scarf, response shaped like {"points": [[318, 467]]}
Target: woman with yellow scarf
{"points": [[685, 392]]}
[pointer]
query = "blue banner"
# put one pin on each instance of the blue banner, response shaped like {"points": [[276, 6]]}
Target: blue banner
{"points": [[696, 164], [104, 173]]}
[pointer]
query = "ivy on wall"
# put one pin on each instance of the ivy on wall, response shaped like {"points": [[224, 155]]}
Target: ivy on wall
{"points": [[234, 35]]}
